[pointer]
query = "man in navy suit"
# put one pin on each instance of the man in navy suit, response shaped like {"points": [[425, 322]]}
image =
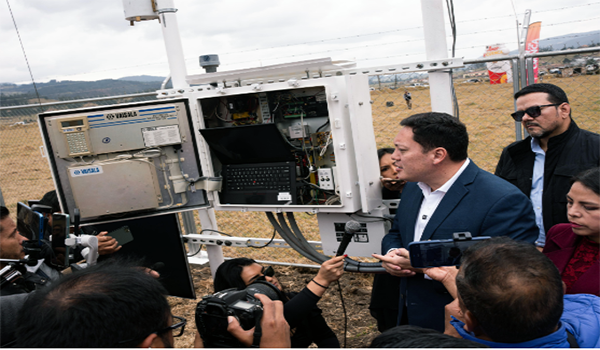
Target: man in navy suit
{"points": [[446, 193]]}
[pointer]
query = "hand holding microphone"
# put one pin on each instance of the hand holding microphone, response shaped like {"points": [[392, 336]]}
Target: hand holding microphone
{"points": [[351, 228]]}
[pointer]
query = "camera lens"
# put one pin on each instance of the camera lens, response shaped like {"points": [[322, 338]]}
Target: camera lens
{"points": [[265, 288]]}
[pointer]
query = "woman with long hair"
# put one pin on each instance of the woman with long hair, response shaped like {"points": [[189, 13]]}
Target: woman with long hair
{"points": [[573, 247], [307, 325]]}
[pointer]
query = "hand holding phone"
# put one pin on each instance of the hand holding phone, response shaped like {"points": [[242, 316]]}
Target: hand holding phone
{"points": [[440, 252], [392, 184]]}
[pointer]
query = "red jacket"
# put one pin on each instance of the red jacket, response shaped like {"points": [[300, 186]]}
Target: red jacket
{"points": [[561, 243]]}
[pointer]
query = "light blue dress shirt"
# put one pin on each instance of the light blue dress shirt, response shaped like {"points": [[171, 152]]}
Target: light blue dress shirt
{"points": [[537, 189]]}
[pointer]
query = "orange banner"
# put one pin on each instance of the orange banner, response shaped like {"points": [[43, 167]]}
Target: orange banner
{"points": [[532, 46]]}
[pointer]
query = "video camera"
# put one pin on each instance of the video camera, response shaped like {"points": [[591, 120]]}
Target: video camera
{"points": [[212, 312], [16, 267]]}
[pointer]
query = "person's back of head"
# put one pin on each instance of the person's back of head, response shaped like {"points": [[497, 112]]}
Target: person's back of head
{"points": [[512, 290], [229, 274], [417, 337], [111, 304], [51, 199], [433, 129]]}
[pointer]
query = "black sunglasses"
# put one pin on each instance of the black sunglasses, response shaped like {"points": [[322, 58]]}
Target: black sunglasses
{"points": [[177, 326], [533, 112], [266, 272]]}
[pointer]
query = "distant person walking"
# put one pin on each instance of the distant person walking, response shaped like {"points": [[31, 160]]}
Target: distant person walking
{"points": [[408, 99]]}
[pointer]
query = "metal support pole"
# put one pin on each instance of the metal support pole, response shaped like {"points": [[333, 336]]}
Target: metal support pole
{"points": [[190, 229], [440, 85], [515, 72], [208, 220], [170, 29], [529, 70], [522, 41]]}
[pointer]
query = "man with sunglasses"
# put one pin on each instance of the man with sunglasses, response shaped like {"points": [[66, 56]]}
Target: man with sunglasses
{"points": [[556, 150]]}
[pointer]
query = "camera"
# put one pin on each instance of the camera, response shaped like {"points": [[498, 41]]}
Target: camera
{"points": [[212, 312]]}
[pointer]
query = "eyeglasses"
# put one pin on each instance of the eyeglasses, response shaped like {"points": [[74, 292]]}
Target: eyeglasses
{"points": [[533, 112], [177, 327]]}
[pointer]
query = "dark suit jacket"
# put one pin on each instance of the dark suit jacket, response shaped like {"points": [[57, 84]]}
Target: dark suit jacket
{"points": [[561, 243], [478, 202]]}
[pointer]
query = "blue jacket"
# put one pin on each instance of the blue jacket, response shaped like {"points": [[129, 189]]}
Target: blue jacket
{"points": [[478, 202], [581, 317]]}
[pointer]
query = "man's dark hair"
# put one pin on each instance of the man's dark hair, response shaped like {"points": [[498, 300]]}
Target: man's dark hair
{"points": [[589, 178], [433, 129], [229, 274], [51, 199], [111, 304], [514, 291], [383, 151], [417, 337], [555, 94], [3, 212]]}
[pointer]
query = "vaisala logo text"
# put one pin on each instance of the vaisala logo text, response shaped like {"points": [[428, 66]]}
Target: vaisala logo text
{"points": [[121, 115], [91, 170]]}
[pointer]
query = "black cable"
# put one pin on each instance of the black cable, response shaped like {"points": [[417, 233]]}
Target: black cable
{"points": [[450, 6], [198, 251], [345, 314], [322, 126], [223, 233], [269, 242], [371, 217]]}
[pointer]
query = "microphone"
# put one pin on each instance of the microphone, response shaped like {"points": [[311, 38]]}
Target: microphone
{"points": [[351, 228]]}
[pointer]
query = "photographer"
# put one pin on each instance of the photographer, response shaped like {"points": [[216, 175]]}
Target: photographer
{"points": [[300, 309]]}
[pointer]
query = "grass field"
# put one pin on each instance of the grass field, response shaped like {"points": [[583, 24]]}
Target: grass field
{"points": [[484, 108]]}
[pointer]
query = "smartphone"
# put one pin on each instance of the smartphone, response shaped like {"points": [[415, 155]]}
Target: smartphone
{"points": [[122, 235], [60, 231], [30, 224], [439, 253]]}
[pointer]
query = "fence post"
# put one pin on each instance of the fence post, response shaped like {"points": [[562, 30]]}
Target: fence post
{"points": [[516, 88]]}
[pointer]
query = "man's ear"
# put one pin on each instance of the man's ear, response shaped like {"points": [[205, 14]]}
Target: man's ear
{"points": [[470, 321], [439, 154], [150, 341], [565, 110]]}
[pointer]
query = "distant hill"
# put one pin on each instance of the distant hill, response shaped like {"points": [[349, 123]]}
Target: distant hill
{"points": [[567, 41], [13, 94], [570, 41], [144, 78]]}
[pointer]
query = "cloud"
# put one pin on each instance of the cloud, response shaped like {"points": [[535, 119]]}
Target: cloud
{"points": [[89, 40]]}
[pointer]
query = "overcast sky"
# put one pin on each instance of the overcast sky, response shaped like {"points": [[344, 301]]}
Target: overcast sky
{"points": [[91, 40]]}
